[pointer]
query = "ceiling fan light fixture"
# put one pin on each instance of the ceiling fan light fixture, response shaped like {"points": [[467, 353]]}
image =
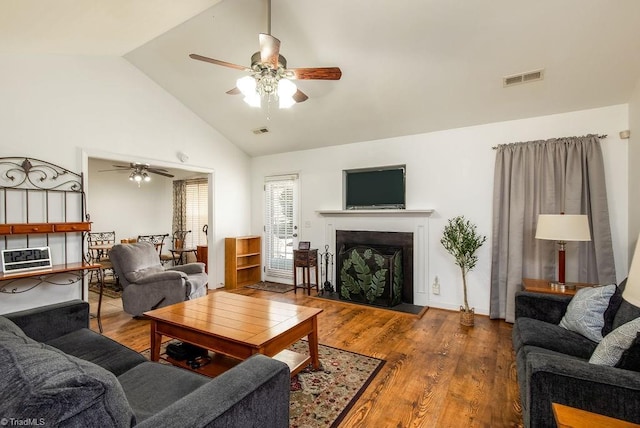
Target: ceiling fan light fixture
{"points": [[286, 89], [146, 177], [247, 86]]}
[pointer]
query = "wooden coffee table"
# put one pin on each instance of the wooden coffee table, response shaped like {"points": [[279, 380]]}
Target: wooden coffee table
{"points": [[239, 326]]}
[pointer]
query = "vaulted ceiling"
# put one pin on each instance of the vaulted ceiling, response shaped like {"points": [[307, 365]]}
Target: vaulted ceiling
{"points": [[409, 66]]}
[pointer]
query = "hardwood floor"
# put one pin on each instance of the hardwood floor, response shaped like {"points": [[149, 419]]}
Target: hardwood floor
{"points": [[437, 372]]}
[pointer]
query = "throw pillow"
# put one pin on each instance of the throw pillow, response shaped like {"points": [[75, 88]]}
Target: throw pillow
{"points": [[585, 313], [609, 351], [41, 383]]}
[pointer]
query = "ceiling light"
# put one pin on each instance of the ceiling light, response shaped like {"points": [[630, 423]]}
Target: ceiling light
{"points": [[267, 86]]}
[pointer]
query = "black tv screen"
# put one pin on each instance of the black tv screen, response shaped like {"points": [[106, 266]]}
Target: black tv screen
{"points": [[375, 188]]}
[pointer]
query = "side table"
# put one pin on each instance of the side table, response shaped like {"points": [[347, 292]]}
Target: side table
{"points": [[543, 286], [570, 417], [305, 259]]}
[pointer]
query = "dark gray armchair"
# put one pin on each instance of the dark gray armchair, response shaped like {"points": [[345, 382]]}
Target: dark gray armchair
{"points": [[148, 285]]}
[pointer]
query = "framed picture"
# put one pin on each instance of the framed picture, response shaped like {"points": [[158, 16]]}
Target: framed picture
{"points": [[304, 245]]}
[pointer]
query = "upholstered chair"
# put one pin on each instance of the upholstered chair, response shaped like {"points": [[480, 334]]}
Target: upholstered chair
{"points": [[148, 285]]}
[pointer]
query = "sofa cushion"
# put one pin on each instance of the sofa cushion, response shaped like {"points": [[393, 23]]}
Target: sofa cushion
{"points": [[585, 313], [532, 332], [151, 387], [42, 383], [98, 349], [626, 312], [612, 308], [630, 359], [609, 351]]}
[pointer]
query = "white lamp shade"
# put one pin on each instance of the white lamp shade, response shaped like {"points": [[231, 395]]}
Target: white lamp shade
{"points": [[563, 227], [632, 290]]}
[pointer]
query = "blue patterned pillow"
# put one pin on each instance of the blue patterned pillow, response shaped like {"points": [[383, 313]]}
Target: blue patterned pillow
{"points": [[585, 313], [610, 350]]}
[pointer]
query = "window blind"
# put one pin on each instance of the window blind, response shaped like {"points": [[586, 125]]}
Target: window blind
{"points": [[197, 211]]}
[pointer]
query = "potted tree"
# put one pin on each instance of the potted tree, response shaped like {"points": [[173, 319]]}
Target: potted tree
{"points": [[461, 240]]}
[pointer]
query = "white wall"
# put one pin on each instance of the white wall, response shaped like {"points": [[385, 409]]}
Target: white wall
{"points": [[634, 171], [117, 204], [58, 108], [451, 172]]}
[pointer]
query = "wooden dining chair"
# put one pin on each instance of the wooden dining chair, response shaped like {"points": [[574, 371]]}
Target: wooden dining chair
{"points": [[177, 241]]}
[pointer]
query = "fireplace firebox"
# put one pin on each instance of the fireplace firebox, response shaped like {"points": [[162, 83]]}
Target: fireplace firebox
{"points": [[374, 267]]}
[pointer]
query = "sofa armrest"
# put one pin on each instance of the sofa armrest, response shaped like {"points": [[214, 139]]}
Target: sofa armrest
{"points": [[555, 378], [48, 322], [162, 276], [189, 268], [544, 307], [255, 393]]}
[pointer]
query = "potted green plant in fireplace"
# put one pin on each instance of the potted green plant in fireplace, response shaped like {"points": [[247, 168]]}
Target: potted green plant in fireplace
{"points": [[461, 240]]}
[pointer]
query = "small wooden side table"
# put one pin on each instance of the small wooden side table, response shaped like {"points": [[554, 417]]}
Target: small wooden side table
{"points": [[305, 259], [544, 286], [570, 417]]}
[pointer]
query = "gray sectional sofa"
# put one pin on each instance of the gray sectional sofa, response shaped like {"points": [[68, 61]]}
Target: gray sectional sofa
{"points": [[553, 363], [58, 372]]}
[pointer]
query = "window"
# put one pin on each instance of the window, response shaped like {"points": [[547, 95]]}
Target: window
{"points": [[197, 211]]}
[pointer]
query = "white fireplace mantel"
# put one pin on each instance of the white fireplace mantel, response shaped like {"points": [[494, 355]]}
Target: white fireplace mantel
{"points": [[379, 213]]}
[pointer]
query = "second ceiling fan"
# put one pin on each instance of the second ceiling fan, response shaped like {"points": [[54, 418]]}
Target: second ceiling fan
{"points": [[269, 78]]}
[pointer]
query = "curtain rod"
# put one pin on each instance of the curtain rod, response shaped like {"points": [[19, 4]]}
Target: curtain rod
{"points": [[601, 136]]}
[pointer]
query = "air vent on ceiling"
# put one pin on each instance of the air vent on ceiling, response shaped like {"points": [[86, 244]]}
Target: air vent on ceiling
{"points": [[260, 131], [529, 76]]}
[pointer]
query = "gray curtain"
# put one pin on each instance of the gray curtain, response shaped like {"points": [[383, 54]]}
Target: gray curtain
{"points": [[547, 177], [179, 205]]}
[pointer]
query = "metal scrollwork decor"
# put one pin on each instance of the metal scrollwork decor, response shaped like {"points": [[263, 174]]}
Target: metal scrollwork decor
{"points": [[29, 173]]}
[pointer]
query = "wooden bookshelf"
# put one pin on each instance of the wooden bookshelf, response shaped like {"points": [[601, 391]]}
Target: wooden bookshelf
{"points": [[243, 261]]}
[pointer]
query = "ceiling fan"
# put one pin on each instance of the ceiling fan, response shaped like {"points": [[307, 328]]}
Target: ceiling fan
{"points": [[269, 78], [139, 171]]}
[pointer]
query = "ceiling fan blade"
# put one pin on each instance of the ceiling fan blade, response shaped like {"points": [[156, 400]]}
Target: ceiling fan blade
{"points": [[234, 91], [110, 170], [300, 96], [269, 50], [218, 62], [315, 73], [159, 172], [121, 166]]}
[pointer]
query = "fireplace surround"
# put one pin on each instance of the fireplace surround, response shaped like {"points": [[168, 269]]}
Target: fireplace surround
{"points": [[415, 221]]}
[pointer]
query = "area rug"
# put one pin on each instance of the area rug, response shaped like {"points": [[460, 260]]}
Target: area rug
{"points": [[111, 289], [323, 398], [271, 286]]}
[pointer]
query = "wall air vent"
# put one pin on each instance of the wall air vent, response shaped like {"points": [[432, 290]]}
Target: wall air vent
{"points": [[529, 76], [260, 131]]}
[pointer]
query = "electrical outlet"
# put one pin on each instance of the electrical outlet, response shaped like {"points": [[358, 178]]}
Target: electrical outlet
{"points": [[435, 288]]}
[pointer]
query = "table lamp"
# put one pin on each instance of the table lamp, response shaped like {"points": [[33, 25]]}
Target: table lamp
{"points": [[563, 228], [631, 291]]}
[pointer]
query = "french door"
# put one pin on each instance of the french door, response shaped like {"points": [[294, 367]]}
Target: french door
{"points": [[281, 226]]}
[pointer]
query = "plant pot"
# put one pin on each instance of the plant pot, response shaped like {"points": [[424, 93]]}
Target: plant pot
{"points": [[466, 317]]}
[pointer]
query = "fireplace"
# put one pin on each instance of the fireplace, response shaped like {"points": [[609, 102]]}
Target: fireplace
{"points": [[374, 267]]}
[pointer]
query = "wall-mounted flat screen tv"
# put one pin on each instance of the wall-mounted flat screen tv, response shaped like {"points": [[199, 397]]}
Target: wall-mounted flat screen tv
{"points": [[374, 188]]}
